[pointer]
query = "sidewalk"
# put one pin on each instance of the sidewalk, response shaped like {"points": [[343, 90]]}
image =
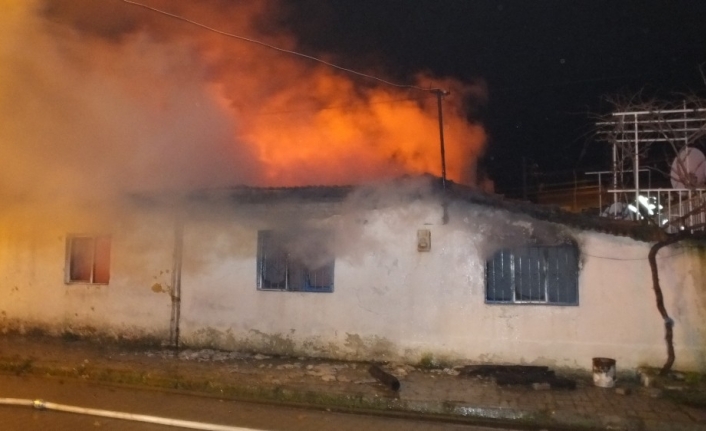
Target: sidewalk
{"points": [[440, 393]]}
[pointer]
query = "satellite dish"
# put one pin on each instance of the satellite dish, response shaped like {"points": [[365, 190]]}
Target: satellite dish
{"points": [[688, 169]]}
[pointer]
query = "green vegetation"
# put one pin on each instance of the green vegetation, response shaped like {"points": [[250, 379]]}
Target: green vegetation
{"points": [[431, 362], [428, 362]]}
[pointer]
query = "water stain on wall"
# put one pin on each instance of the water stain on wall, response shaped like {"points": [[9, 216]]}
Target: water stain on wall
{"points": [[157, 288]]}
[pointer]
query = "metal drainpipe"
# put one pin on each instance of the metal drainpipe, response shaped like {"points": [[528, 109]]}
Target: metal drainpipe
{"points": [[176, 282]]}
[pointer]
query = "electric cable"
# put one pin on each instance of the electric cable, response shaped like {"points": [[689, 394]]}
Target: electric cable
{"points": [[638, 258], [284, 50], [343, 106]]}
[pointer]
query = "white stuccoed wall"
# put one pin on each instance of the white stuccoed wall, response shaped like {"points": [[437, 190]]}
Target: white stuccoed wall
{"points": [[393, 302], [390, 301], [32, 265]]}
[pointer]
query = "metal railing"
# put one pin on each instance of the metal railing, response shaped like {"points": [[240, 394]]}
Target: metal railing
{"points": [[674, 209]]}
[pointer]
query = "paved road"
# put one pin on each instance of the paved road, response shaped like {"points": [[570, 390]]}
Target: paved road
{"points": [[177, 406]]}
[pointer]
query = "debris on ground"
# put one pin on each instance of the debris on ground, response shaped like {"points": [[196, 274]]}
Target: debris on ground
{"points": [[523, 375], [623, 391], [384, 377]]}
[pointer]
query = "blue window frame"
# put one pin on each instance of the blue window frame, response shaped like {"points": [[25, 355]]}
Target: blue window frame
{"points": [[279, 269], [533, 275]]}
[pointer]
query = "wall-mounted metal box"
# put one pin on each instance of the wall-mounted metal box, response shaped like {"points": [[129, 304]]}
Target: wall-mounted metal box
{"points": [[423, 240]]}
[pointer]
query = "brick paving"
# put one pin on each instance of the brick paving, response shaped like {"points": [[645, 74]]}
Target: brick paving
{"points": [[349, 385]]}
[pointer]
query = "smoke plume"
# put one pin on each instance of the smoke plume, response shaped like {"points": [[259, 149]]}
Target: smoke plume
{"points": [[101, 98]]}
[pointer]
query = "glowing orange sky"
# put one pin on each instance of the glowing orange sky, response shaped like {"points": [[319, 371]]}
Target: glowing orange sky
{"points": [[113, 96]]}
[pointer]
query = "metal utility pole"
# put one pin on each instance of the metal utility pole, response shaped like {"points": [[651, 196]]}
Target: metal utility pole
{"points": [[439, 95]]}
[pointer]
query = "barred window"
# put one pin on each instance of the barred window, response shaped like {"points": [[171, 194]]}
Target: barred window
{"points": [[293, 263], [88, 259], [533, 275]]}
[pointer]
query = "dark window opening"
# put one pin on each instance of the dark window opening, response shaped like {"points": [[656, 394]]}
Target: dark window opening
{"points": [[280, 268], [533, 275]]}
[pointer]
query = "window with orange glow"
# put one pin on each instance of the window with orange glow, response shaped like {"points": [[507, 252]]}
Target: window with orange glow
{"points": [[88, 259]]}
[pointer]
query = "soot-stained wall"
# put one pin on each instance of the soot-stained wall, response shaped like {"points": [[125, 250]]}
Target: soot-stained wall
{"points": [[390, 301]]}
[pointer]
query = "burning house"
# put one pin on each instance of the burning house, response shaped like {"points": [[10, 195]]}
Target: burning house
{"points": [[399, 271], [124, 133]]}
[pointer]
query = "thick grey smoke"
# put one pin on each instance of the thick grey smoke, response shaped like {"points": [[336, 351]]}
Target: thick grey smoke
{"points": [[101, 98], [84, 116]]}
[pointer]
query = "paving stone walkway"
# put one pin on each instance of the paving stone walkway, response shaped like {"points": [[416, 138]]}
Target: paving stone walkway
{"points": [[441, 393]]}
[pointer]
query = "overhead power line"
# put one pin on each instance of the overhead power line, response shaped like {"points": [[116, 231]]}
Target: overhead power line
{"points": [[276, 48], [635, 258], [346, 105]]}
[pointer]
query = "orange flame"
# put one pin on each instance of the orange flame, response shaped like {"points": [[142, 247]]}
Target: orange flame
{"points": [[308, 123], [100, 97]]}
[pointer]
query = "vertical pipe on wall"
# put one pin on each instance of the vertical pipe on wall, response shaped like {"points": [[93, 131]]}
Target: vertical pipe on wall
{"points": [[176, 282]]}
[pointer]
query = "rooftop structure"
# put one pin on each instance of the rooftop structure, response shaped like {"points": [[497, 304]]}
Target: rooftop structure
{"points": [[646, 142]]}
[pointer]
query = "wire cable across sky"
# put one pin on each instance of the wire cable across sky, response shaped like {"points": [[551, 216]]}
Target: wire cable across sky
{"points": [[276, 48]]}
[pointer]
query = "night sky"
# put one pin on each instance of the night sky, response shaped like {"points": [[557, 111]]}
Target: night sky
{"points": [[547, 65]]}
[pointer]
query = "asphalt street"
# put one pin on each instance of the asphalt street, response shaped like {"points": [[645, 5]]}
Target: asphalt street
{"points": [[175, 406]]}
